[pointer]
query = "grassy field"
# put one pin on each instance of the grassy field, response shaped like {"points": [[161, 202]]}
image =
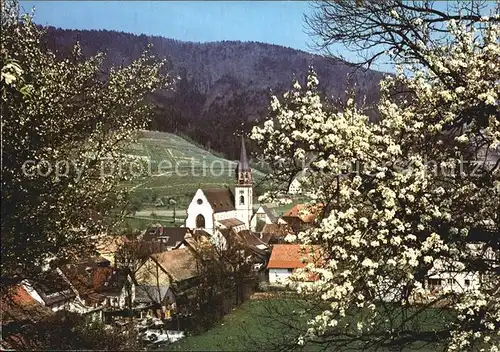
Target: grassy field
{"points": [[266, 324], [282, 209], [249, 327], [179, 168], [140, 223]]}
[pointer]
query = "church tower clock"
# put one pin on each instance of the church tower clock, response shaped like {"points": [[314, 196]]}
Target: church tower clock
{"points": [[243, 197]]}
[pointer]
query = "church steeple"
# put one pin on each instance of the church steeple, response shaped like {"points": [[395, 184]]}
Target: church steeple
{"points": [[243, 192], [243, 171]]}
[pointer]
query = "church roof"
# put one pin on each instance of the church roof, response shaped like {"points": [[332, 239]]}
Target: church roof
{"points": [[232, 222], [243, 163], [220, 199]]}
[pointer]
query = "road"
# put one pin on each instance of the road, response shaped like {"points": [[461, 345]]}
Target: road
{"points": [[169, 212]]}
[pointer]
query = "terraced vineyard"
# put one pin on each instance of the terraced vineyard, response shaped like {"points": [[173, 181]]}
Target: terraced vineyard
{"points": [[178, 169]]}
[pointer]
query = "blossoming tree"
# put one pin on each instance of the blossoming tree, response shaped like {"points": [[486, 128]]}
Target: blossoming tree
{"points": [[413, 197], [70, 116]]}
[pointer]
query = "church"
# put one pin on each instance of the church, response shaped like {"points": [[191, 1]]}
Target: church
{"points": [[212, 210]]}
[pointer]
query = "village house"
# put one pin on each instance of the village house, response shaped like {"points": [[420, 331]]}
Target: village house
{"points": [[20, 311], [286, 258], [53, 291], [99, 287], [295, 187], [106, 287], [169, 237], [108, 246], [164, 275], [263, 216], [275, 233], [256, 251], [302, 216], [440, 278]]}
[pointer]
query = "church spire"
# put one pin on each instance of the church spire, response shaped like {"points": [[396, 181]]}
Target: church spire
{"points": [[243, 164], [243, 172]]}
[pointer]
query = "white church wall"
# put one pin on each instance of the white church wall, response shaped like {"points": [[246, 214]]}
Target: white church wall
{"points": [[244, 211], [225, 215], [199, 206]]}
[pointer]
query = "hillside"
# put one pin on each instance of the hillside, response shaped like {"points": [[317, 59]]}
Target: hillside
{"points": [[223, 86], [178, 169]]}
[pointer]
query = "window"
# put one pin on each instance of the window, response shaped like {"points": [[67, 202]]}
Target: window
{"points": [[242, 200], [450, 281], [200, 221], [467, 282], [290, 271], [199, 201], [434, 282]]}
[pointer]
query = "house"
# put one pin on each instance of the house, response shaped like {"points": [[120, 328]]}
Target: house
{"points": [[169, 237], [258, 251], [262, 216], [100, 287], [275, 233], [165, 275], [302, 216], [212, 209], [286, 258], [295, 187], [53, 291], [20, 311], [441, 278], [108, 246], [233, 224], [134, 253]]}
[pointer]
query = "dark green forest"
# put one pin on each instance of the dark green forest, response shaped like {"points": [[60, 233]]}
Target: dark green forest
{"points": [[223, 87]]}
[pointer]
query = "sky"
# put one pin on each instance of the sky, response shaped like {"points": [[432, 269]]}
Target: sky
{"points": [[276, 22]]}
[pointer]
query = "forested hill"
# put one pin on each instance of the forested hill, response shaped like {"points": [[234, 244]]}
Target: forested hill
{"points": [[224, 86]]}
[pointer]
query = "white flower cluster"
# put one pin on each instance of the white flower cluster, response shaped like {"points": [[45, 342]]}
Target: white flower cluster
{"points": [[399, 219], [73, 118]]}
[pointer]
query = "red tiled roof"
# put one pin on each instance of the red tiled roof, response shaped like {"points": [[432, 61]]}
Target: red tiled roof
{"points": [[18, 305], [20, 296], [289, 256], [306, 213], [95, 280]]}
